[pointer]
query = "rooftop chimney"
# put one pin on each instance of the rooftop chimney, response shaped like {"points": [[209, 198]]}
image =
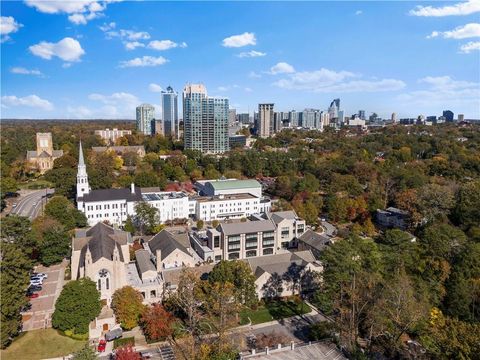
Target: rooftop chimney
{"points": [[132, 188]]}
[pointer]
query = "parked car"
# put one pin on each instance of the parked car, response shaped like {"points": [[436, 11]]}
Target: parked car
{"points": [[33, 295], [113, 334], [43, 276], [102, 345], [36, 282], [33, 288]]}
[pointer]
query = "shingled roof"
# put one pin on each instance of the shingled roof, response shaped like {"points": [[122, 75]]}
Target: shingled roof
{"points": [[279, 263], [101, 240], [167, 243]]}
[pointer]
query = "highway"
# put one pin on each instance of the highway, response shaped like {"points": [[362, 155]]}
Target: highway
{"points": [[30, 205]]}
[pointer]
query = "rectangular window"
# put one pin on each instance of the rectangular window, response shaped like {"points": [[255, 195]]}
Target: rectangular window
{"points": [[216, 241]]}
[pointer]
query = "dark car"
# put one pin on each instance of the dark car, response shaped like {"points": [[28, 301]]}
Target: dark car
{"points": [[113, 334], [34, 288]]}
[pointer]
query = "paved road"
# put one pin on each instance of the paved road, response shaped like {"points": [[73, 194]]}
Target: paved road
{"points": [[31, 204]]}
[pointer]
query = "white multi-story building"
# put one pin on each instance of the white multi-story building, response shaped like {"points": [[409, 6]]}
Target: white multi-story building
{"points": [[225, 207], [225, 199], [145, 116], [112, 135], [170, 205]]}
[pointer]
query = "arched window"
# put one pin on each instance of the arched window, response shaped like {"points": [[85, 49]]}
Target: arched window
{"points": [[103, 279]]}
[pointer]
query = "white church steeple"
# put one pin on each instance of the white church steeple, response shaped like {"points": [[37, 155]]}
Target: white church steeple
{"points": [[82, 176]]}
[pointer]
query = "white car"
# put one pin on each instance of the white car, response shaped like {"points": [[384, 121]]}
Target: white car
{"points": [[43, 276], [36, 280]]}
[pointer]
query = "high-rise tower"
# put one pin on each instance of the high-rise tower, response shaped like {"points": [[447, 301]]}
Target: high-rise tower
{"points": [[170, 113], [205, 120], [145, 117]]}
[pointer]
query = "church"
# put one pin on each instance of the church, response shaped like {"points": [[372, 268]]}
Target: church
{"points": [[42, 159]]}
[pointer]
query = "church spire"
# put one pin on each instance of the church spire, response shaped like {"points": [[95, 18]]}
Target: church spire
{"points": [[81, 161], [82, 177]]}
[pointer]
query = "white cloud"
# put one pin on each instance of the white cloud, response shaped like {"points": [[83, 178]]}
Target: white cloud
{"points": [[443, 91], [144, 61], [469, 47], [247, 89], [165, 44], [358, 12], [67, 49], [254, 75], [244, 39], [282, 68], [325, 80], [30, 101], [134, 35], [132, 45], [107, 27], [79, 11], [116, 105], [227, 87], [252, 53], [462, 8], [82, 19], [24, 71], [154, 87], [8, 25], [461, 32]]}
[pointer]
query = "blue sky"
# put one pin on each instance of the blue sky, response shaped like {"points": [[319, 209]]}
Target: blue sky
{"points": [[99, 59]]}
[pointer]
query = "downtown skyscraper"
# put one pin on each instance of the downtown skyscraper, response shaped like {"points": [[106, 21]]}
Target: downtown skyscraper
{"points": [[145, 118], [264, 124], [170, 113], [205, 120]]}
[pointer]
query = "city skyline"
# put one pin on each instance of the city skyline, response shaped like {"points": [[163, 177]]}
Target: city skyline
{"points": [[96, 60]]}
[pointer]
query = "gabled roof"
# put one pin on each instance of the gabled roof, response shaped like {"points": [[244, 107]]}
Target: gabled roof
{"points": [[315, 240], [144, 263], [165, 242], [279, 263], [101, 240], [247, 227], [279, 216]]}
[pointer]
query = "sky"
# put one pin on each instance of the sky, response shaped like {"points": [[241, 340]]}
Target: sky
{"points": [[100, 59]]}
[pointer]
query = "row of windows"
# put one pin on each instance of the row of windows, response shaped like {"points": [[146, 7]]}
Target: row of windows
{"points": [[106, 215], [250, 253], [106, 206]]}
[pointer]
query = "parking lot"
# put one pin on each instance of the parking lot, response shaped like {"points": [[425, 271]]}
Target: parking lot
{"points": [[40, 313]]}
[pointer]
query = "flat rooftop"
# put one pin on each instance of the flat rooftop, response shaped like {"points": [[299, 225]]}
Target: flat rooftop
{"points": [[225, 197], [157, 196]]}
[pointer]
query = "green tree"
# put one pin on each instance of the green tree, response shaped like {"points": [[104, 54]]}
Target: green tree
{"points": [[211, 173], [64, 180], [77, 305], [14, 268], [200, 224], [467, 211], [448, 338], [54, 246], [146, 218], [86, 353], [463, 286], [435, 200], [61, 209], [18, 230], [8, 185], [240, 275], [127, 306]]}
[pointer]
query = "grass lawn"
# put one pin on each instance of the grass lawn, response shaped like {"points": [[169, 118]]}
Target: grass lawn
{"points": [[36, 184], [274, 310], [41, 344]]}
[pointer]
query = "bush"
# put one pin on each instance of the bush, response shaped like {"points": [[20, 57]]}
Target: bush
{"points": [[123, 342], [321, 330], [71, 334]]}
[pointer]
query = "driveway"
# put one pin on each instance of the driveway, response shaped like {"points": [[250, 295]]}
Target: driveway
{"points": [[39, 316], [330, 230]]}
